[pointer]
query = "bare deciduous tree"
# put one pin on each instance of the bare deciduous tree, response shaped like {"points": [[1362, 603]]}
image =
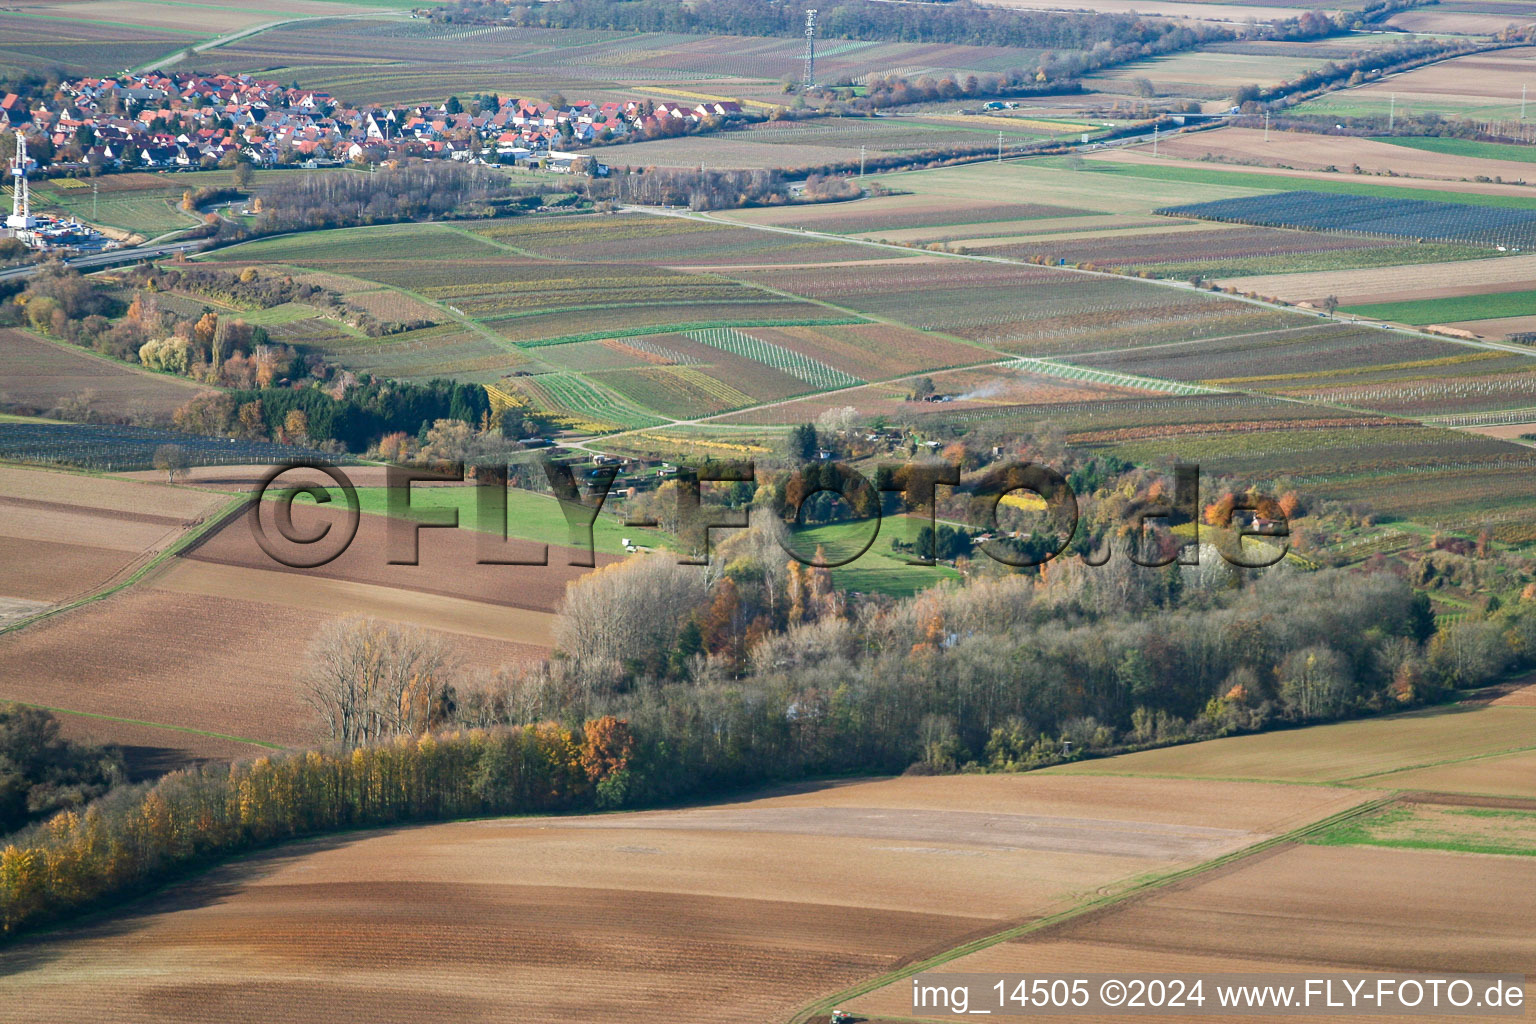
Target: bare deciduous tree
{"points": [[627, 609], [370, 680]]}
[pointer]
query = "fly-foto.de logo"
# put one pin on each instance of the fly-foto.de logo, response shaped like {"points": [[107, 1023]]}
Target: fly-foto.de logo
{"points": [[1162, 531]]}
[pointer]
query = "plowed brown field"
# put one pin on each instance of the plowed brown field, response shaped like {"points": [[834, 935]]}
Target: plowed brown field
{"points": [[1396, 284], [37, 374], [741, 913], [188, 661], [447, 561], [1310, 152], [1308, 909], [63, 535]]}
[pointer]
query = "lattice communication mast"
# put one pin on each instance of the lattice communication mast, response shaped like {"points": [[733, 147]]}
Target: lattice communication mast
{"points": [[20, 223], [809, 78]]}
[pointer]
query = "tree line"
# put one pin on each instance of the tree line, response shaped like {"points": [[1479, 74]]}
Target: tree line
{"points": [[352, 420], [1008, 673], [957, 21], [413, 190], [141, 836], [42, 773]]}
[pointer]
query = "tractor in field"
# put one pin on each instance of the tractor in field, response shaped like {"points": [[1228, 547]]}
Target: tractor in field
{"points": [[841, 1017]]}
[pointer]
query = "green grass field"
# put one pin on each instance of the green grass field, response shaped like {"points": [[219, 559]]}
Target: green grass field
{"points": [[1465, 147], [530, 516], [1443, 311], [878, 570], [1433, 827], [1346, 184], [145, 203]]}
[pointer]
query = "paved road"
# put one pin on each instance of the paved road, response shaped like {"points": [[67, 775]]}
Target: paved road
{"points": [[107, 259]]}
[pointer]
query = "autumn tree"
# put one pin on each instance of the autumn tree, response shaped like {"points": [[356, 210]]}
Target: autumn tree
{"points": [[370, 680], [629, 611], [172, 458]]}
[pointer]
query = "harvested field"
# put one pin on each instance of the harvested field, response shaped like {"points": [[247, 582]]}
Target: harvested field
{"points": [[218, 20], [232, 667], [1435, 823], [1481, 85], [1468, 19], [1498, 327], [38, 375], [640, 917], [1364, 749], [1510, 775], [1306, 151], [1205, 74], [521, 633], [447, 563], [1299, 909], [49, 572], [64, 535], [1392, 284], [196, 662], [107, 494], [1517, 697], [244, 478]]}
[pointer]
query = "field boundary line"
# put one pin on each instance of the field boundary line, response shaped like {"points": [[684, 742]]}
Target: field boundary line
{"points": [[1137, 890], [189, 539]]}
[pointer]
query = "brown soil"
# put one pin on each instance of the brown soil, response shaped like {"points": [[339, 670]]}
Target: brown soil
{"points": [[108, 493], [524, 633], [207, 663], [447, 561], [1396, 284], [39, 570], [739, 913], [1300, 909], [1309, 152], [37, 374]]}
